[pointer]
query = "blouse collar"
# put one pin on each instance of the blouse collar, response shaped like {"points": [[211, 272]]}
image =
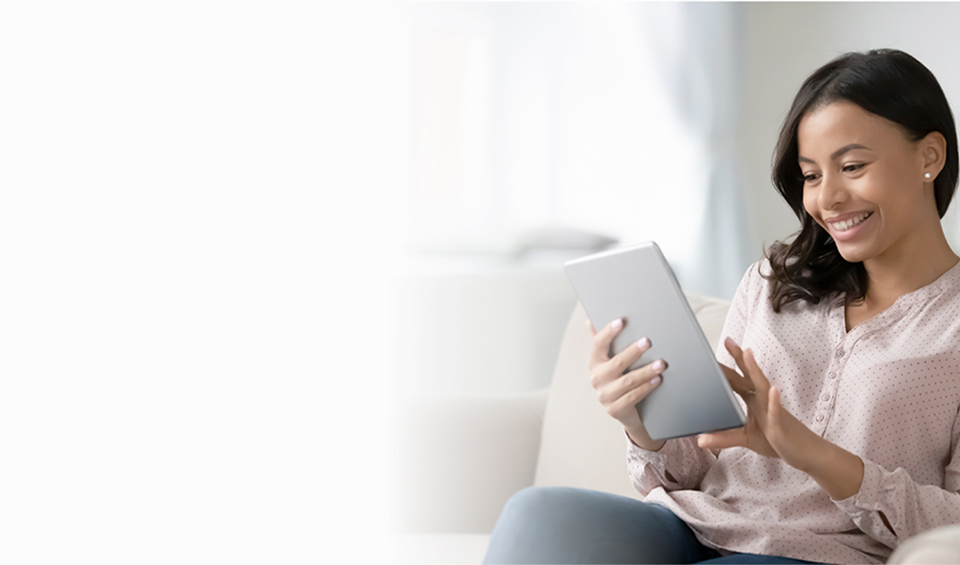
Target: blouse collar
{"points": [[950, 280]]}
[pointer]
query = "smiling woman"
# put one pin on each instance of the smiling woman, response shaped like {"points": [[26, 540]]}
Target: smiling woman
{"points": [[842, 344], [864, 126], [876, 202]]}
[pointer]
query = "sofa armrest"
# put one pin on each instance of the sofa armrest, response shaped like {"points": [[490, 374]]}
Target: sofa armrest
{"points": [[458, 458]]}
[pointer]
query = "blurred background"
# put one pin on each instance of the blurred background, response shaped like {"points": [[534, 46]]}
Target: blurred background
{"points": [[540, 132], [240, 240], [544, 131]]}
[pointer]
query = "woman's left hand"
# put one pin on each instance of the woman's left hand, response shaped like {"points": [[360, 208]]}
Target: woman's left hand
{"points": [[770, 429]]}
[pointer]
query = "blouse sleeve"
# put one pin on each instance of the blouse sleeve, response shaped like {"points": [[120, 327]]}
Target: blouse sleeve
{"points": [[909, 508], [681, 463]]}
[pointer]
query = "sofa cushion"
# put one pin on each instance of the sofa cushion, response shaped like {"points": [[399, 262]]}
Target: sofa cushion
{"points": [[581, 446], [458, 458]]}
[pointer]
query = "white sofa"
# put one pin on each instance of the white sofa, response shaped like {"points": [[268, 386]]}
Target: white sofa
{"points": [[457, 459]]}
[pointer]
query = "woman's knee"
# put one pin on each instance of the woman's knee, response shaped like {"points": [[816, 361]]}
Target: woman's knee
{"points": [[561, 504], [538, 525], [538, 501], [539, 515], [564, 510], [563, 524]]}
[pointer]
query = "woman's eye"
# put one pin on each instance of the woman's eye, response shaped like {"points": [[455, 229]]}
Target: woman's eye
{"points": [[810, 177], [852, 168]]}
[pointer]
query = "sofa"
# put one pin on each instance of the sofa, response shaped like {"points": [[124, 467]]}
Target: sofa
{"points": [[458, 458]]}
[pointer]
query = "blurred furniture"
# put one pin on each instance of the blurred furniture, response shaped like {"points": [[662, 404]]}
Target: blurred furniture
{"points": [[457, 311], [458, 458]]}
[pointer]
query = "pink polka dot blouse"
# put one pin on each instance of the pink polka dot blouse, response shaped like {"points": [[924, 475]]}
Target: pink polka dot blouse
{"points": [[888, 391]]}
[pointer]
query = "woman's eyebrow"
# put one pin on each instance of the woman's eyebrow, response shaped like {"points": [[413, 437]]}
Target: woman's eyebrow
{"points": [[836, 153]]}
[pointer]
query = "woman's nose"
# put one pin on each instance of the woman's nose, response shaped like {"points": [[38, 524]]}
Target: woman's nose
{"points": [[832, 192]]}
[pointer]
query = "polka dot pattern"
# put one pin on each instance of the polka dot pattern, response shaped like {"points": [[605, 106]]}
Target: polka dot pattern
{"points": [[888, 390]]}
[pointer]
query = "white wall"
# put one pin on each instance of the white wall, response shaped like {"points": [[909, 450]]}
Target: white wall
{"points": [[785, 42]]}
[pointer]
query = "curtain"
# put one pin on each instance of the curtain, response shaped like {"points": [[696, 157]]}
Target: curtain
{"points": [[611, 118], [699, 60]]}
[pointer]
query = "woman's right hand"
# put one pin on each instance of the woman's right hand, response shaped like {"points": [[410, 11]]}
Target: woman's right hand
{"points": [[620, 392]]}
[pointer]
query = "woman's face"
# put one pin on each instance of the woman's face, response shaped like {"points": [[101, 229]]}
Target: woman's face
{"points": [[863, 181]]}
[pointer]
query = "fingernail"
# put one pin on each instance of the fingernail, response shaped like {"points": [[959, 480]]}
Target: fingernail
{"points": [[616, 324], [643, 343], [658, 365], [655, 380]]}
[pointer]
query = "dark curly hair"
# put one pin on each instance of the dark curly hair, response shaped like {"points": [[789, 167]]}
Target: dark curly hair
{"points": [[884, 82]]}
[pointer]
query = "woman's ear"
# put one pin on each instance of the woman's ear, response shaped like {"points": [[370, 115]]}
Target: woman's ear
{"points": [[933, 151]]}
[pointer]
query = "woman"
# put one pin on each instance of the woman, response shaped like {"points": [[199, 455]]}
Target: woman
{"points": [[848, 343]]}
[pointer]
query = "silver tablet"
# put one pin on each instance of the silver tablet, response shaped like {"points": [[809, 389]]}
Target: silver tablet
{"points": [[637, 284]]}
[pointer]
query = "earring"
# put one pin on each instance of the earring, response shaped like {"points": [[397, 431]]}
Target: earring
{"points": [[926, 175]]}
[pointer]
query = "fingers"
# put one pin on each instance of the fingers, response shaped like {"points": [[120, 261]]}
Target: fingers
{"points": [[760, 382], [736, 437], [631, 397], [736, 353], [631, 381], [613, 368], [747, 363], [600, 352], [740, 385], [619, 393]]}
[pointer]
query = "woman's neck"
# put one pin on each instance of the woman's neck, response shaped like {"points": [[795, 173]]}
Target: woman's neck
{"points": [[910, 267]]}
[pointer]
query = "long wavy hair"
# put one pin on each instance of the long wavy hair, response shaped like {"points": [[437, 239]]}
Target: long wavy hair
{"points": [[884, 82]]}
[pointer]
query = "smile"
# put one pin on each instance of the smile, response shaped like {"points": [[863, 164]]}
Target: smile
{"points": [[851, 223]]}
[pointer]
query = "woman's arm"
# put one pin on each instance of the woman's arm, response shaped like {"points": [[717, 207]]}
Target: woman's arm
{"points": [[641, 438], [892, 507], [835, 469], [889, 506], [774, 432]]}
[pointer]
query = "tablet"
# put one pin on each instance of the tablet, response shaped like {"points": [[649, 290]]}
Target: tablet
{"points": [[637, 284]]}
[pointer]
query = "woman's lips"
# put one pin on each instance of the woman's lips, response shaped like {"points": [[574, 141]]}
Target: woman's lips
{"points": [[848, 228]]}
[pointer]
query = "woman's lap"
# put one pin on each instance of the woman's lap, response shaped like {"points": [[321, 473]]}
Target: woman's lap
{"points": [[568, 525]]}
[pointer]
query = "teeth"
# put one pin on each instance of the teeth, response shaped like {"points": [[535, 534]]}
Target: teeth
{"points": [[847, 224]]}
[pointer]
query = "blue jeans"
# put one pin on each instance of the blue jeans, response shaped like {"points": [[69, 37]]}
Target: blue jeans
{"points": [[568, 525]]}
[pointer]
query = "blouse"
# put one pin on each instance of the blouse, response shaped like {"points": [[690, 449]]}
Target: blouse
{"points": [[888, 391]]}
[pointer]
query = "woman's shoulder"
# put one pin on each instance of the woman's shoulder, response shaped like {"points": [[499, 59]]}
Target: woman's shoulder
{"points": [[753, 290], [756, 281]]}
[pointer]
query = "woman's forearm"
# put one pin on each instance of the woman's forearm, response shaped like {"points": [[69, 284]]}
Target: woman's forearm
{"points": [[835, 469], [642, 439]]}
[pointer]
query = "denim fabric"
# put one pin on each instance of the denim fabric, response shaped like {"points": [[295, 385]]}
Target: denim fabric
{"points": [[568, 525]]}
